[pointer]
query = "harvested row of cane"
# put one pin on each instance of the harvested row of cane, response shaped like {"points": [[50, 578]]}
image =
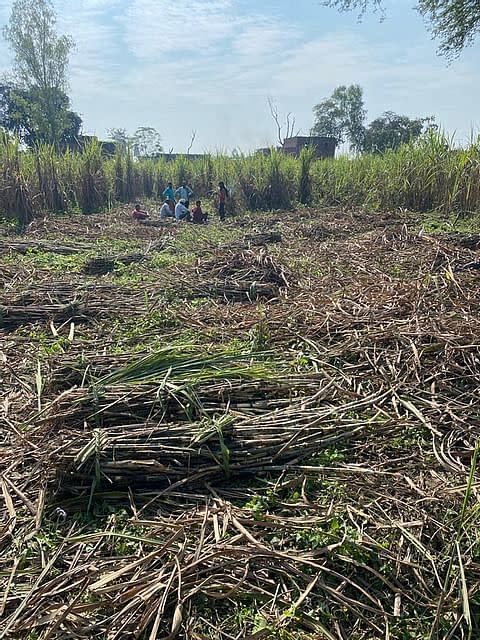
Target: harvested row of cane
{"points": [[85, 304], [235, 277], [158, 453], [12, 316], [42, 245], [177, 399], [221, 557], [63, 291]]}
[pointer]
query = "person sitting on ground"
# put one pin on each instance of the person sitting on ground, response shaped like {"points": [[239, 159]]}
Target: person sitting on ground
{"points": [[183, 193], [167, 210], [169, 193], [223, 196], [181, 212], [198, 216], [138, 214]]}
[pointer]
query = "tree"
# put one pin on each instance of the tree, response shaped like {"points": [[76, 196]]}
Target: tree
{"points": [[391, 130], [146, 142], [22, 113], [121, 139], [41, 60], [289, 123], [455, 23], [342, 116]]}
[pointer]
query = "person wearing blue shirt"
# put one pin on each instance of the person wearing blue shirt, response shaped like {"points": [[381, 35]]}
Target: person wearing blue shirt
{"points": [[169, 193], [183, 193]]}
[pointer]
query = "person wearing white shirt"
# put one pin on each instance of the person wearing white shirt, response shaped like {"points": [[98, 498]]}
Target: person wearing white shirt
{"points": [[183, 193], [181, 211], [167, 210]]}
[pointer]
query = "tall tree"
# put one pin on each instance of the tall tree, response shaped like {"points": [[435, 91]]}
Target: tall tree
{"points": [[146, 142], [391, 130], [455, 23], [342, 116], [120, 137], [41, 60], [22, 114]]}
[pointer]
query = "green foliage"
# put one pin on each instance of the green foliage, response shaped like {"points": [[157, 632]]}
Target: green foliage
{"points": [[307, 156], [454, 22], [342, 116], [40, 105], [26, 113], [146, 142], [391, 130], [429, 174]]}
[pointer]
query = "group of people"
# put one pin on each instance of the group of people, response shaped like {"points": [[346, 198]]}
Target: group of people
{"points": [[177, 203]]}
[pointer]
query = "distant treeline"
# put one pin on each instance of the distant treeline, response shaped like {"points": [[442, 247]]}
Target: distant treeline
{"points": [[429, 174]]}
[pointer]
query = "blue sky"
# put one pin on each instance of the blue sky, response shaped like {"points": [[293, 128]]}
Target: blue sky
{"points": [[210, 65]]}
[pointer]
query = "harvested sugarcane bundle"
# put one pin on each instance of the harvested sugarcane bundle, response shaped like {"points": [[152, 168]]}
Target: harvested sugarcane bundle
{"points": [[464, 240], [24, 247], [262, 239], [239, 276], [99, 266], [158, 453], [12, 317]]}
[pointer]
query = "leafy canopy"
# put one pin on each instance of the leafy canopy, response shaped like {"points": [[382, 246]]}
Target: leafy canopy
{"points": [[39, 102], [455, 23], [341, 116], [23, 114], [146, 142], [391, 130]]}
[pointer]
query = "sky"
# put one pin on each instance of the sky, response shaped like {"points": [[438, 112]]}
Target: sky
{"points": [[210, 66]]}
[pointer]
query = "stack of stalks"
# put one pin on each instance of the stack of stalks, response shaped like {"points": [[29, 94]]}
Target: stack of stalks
{"points": [[239, 276]]}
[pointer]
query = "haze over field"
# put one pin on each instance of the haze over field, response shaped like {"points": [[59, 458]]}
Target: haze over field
{"points": [[209, 65]]}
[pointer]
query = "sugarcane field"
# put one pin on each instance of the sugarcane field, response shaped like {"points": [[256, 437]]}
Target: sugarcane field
{"points": [[239, 320], [262, 429]]}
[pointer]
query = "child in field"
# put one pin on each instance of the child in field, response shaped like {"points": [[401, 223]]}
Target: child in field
{"points": [[169, 193], [222, 200], [198, 216], [138, 214], [167, 210]]}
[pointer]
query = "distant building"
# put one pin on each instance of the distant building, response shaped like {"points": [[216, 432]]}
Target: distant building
{"points": [[79, 144], [324, 147]]}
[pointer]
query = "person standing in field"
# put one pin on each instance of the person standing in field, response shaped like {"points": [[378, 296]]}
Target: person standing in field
{"points": [[169, 193], [184, 192], [222, 200]]}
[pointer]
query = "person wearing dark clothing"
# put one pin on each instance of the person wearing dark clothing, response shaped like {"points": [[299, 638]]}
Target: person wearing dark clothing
{"points": [[222, 200], [198, 216]]}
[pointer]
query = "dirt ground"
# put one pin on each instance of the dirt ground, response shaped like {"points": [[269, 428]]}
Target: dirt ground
{"points": [[262, 429]]}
